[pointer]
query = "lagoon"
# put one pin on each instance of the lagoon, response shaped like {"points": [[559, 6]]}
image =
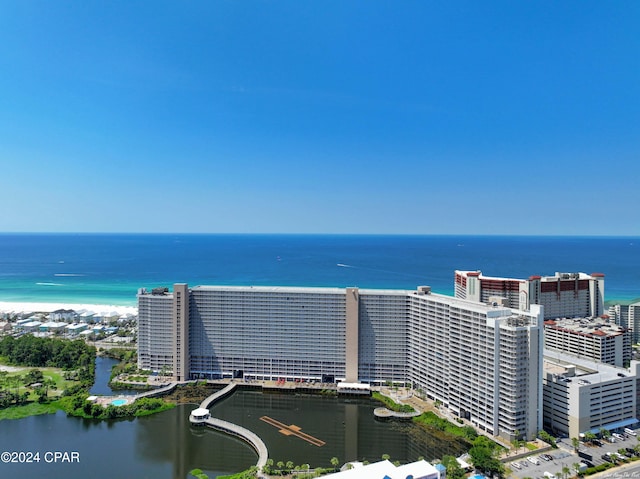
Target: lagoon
{"points": [[166, 445]]}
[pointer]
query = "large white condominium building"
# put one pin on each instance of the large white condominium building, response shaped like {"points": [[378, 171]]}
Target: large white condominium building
{"points": [[595, 338], [483, 362], [628, 316], [584, 396], [565, 295]]}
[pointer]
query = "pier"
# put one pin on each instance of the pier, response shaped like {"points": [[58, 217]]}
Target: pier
{"points": [[216, 396], [293, 430], [251, 438], [202, 416]]}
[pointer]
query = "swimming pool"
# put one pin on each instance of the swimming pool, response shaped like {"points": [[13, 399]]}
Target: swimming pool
{"points": [[119, 402]]}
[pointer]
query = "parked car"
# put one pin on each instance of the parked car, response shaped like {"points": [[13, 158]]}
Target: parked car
{"points": [[516, 465], [533, 460], [630, 432], [606, 458], [631, 451]]}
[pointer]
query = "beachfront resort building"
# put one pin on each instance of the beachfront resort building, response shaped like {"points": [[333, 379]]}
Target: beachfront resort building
{"points": [[482, 361], [597, 339], [582, 396], [628, 316], [564, 295]]}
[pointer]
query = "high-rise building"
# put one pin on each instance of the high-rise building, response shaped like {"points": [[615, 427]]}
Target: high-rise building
{"points": [[627, 316], [564, 295], [482, 361]]}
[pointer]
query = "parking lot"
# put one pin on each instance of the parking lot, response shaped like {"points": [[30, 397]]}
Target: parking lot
{"points": [[565, 456]]}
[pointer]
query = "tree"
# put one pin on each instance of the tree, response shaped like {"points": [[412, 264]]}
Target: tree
{"points": [[576, 468], [484, 459], [268, 467], [34, 376], [289, 465], [565, 471], [454, 471], [548, 438], [589, 436], [334, 462], [575, 442], [386, 457], [604, 433]]}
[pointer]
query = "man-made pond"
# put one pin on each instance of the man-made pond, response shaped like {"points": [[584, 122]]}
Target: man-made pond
{"points": [[103, 372], [165, 445]]}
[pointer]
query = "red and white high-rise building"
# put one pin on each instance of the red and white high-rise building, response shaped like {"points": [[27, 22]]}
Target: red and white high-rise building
{"points": [[564, 295]]}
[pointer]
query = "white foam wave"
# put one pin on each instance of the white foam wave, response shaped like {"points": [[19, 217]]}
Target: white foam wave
{"points": [[49, 284], [68, 274]]}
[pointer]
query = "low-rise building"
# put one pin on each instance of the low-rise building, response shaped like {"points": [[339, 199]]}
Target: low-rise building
{"points": [[582, 396], [52, 326], [28, 326], [75, 329], [386, 470], [63, 315]]}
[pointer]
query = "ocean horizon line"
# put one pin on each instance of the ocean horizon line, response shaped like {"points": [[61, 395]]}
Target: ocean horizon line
{"points": [[294, 234]]}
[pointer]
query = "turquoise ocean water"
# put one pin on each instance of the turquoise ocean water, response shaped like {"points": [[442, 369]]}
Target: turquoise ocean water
{"points": [[109, 268]]}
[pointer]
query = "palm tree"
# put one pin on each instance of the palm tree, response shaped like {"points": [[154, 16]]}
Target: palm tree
{"points": [[334, 462], [576, 468], [575, 442], [565, 471]]}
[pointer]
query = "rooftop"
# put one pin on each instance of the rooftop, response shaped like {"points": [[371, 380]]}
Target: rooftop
{"points": [[586, 326], [590, 372]]}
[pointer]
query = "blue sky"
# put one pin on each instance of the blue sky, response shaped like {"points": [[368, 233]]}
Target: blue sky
{"points": [[409, 117]]}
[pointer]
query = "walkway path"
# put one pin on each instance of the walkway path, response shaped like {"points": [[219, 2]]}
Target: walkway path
{"points": [[218, 395], [244, 434], [251, 438], [156, 392]]}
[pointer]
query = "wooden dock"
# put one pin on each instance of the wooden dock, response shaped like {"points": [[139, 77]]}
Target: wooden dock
{"points": [[293, 430]]}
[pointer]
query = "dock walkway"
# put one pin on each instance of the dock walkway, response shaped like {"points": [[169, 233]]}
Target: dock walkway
{"points": [[248, 436], [229, 428], [158, 391], [216, 396]]}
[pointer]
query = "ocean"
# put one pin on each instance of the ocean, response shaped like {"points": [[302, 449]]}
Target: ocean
{"points": [[109, 268]]}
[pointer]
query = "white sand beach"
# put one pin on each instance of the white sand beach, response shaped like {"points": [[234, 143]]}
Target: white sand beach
{"points": [[101, 309]]}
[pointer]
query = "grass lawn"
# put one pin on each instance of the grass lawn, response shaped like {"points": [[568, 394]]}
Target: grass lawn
{"points": [[32, 409], [56, 374]]}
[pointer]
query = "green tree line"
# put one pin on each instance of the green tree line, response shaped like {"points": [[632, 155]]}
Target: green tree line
{"points": [[29, 350]]}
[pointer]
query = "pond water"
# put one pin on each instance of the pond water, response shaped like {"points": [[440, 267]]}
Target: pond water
{"points": [[166, 446], [103, 373]]}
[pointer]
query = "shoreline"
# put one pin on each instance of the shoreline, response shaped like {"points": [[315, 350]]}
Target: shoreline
{"points": [[43, 307]]}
